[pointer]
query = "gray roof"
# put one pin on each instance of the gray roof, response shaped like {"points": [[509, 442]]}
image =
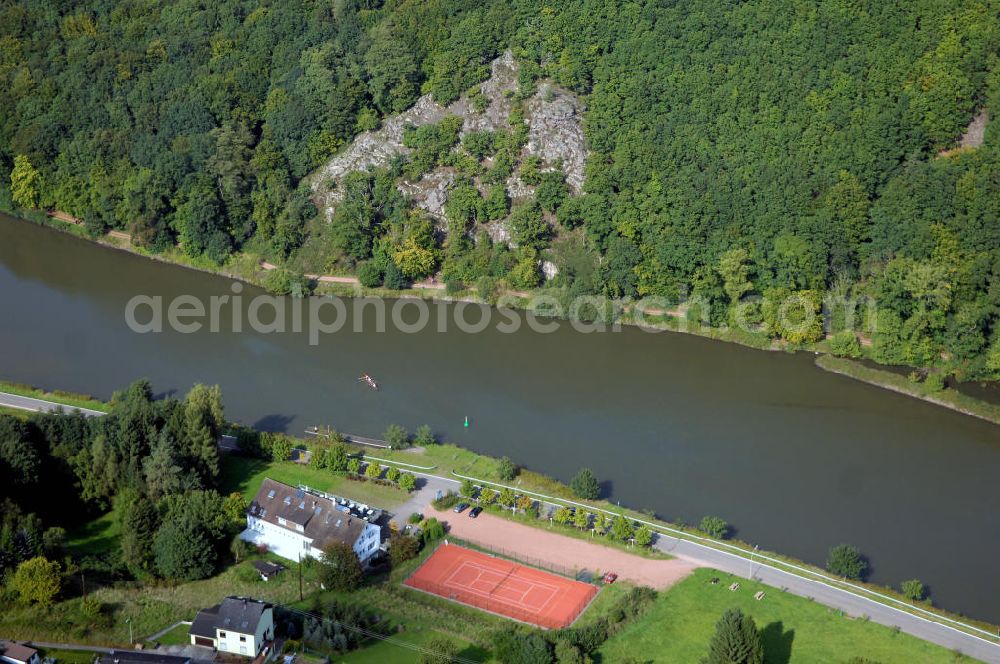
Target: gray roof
{"points": [[135, 657], [322, 520], [21, 653], [237, 614]]}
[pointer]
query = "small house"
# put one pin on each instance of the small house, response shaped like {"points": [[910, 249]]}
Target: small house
{"points": [[238, 625], [267, 569]]}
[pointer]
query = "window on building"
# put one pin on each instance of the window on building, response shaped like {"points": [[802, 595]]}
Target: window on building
{"points": [[243, 639]]}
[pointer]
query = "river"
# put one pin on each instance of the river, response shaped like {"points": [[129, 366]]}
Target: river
{"points": [[797, 459]]}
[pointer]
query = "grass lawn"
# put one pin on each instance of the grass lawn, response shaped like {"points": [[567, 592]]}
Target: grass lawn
{"points": [[245, 475], [383, 652], [70, 656], [57, 396], [178, 636], [682, 621], [97, 536], [151, 608]]}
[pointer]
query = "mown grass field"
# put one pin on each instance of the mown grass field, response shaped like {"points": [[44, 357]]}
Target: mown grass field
{"points": [[176, 637], [385, 652], [245, 475], [796, 630]]}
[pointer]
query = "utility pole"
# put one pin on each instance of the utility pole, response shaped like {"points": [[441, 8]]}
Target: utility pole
{"points": [[751, 560], [131, 641]]}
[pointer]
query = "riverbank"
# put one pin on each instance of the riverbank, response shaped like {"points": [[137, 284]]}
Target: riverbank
{"points": [[250, 268], [946, 398], [452, 464]]}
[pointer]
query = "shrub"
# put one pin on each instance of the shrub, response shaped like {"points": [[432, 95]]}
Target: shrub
{"points": [[644, 536], [403, 548], [714, 526], [407, 482], [433, 531], [506, 469], [394, 279], [370, 275], [585, 485], [354, 465], [846, 560], [397, 437], [846, 344], [424, 436], [416, 517], [373, 471], [37, 581], [934, 382], [392, 474], [914, 589]]}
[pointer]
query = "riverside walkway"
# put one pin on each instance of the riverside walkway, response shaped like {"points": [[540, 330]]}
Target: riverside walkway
{"points": [[958, 638], [41, 405]]}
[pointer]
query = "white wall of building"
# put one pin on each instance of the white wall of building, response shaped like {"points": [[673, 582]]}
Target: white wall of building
{"points": [[291, 545]]}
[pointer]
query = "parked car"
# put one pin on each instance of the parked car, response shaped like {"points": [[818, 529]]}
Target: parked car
{"points": [[474, 512], [610, 577], [460, 507]]}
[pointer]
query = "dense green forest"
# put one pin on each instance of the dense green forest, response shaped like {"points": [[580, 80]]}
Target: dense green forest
{"points": [[738, 150], [155, 461]]}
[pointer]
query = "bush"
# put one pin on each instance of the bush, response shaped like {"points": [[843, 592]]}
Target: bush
{"points": [[394, 279], [416, 517], [397, 437], [354, 465], [914, 589], [714, 526], [373, 471], [585, 485], [424, 436], [441, 649], [934, 382], [433, 531], [446, 502], [392, 474], [37, 581], [846, 560], [845, 344], [506, 469], [370, 275], [407, 482], [403, 548]]}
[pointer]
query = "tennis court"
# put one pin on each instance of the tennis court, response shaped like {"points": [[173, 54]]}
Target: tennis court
{"points": [[501, 586]]}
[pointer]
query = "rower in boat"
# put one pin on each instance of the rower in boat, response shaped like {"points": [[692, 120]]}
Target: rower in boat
{"points": [[369, 381]]}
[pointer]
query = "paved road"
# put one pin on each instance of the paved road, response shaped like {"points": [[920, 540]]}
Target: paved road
{"points": [[705, 556], [30, 403]]}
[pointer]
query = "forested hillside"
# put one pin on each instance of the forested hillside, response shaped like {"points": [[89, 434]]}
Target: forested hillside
{"points": [[737, 149]]}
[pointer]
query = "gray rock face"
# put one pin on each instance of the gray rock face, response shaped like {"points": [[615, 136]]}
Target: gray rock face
{"points": [[555, 133], [555, 120]]}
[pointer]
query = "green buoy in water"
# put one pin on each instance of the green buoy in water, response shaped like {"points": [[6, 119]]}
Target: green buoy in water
{"points": [[466, 421]]}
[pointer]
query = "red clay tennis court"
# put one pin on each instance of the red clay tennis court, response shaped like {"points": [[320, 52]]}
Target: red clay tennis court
{"points": [[501, 586]]}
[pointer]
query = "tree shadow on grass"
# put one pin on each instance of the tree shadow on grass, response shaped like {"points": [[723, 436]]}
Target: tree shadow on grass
{"points": [[777, 643]]}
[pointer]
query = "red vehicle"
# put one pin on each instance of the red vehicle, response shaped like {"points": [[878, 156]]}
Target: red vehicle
{"points": [[610, 577]]}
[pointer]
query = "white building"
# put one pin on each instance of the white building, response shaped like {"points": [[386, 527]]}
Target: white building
{"points": [[295, 523], [238, 625]]}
